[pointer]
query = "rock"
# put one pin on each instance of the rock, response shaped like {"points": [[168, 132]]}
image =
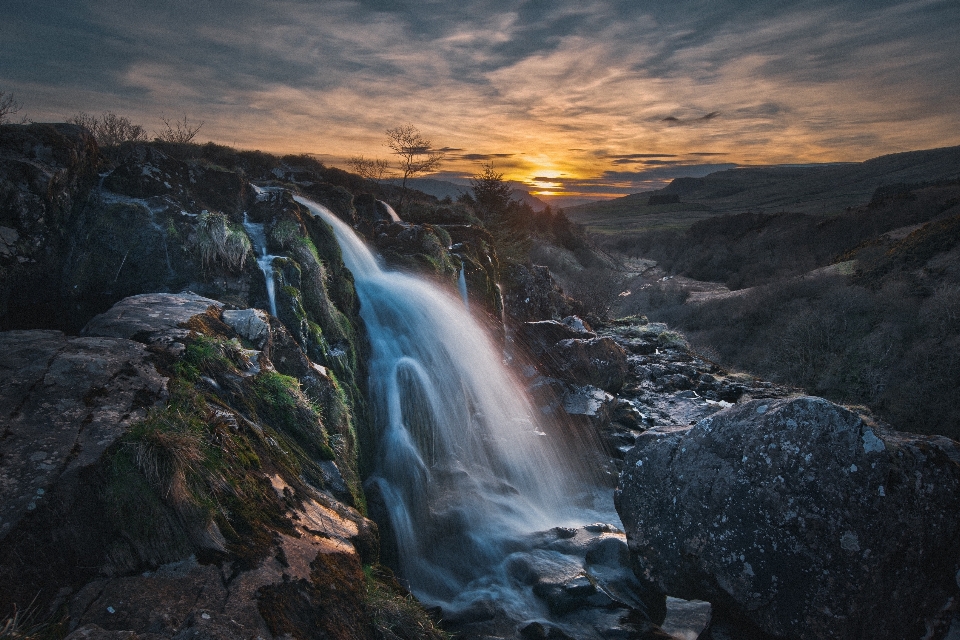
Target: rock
{"points": [[539, 337], [800, 517], [95, 522], [598, 362], [417, 247], [64, 402], [152, 317], [530, 293], [591, 402], [46, 171], [251, 324], [144, 171]]}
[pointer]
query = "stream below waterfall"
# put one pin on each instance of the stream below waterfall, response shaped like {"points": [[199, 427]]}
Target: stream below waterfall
{"points": [[490, 509]]}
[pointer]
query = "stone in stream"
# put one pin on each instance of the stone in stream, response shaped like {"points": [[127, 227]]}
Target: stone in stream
{"points": [[799, 517]]}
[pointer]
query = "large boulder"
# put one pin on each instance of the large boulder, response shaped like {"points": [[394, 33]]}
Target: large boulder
{"points": [[800, 517], [598, 362], [64, 401], [539, 337], [530, 293]]}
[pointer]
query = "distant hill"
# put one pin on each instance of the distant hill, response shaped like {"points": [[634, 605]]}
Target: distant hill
{"points": [[446, 189], [815, 189]]}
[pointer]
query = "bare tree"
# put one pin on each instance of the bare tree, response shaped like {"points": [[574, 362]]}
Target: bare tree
{"points": [[110, 130], [372, 169], [8, 106], [177, 131], [415, 154]]}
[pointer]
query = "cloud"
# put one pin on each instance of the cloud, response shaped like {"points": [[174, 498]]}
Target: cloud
{"points": [[479, 157], [567, 86]]}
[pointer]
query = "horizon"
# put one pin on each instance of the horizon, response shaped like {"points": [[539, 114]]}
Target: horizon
{"points": [[572, 100]]}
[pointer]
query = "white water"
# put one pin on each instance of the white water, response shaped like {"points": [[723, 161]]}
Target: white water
{"points": [[462, 286], [463, 464], [265, 261], [390, 212]]}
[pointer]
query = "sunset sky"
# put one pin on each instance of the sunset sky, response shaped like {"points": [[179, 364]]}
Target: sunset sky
{"points": [[571, 97]]}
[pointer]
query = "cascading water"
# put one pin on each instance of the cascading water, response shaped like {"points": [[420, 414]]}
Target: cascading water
{"points": [[264, 260], [463, 464], [462, 286], [390, 212]]}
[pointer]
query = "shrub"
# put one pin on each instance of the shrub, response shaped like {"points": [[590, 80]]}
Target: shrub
{"points": [[221, 242], [110, 130]]}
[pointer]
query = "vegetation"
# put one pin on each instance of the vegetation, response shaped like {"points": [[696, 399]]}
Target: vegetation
{"points": [[395, 613], [221, 242], [881, 327], [415, 154], [8, 106], [109, 129], [177, 131], [370, 168]]}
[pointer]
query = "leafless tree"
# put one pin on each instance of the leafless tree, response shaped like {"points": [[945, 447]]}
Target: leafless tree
{"points": [[415, 154], [110, 130], [177, 131], [8, 106], [370, 168]]}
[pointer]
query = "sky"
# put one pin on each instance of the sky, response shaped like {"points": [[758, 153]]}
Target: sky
{"points": [[572, 98]]}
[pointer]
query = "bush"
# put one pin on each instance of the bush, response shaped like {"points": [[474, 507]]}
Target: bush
{"points": [[221, 242], [110, 130]]}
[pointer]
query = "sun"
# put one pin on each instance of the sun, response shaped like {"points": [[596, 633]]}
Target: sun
{"points": [[542, 181]]}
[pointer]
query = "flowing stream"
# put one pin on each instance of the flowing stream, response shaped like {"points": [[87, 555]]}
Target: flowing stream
{"points": [[463, 463], [462, 286], [264, 260]]}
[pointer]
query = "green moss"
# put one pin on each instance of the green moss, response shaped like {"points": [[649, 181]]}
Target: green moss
{"points": [[282, 404], [285, 233], [210, 357]]}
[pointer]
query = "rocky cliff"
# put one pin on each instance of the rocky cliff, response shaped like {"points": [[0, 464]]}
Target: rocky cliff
{"points": [[179, 463], [176, 461]]}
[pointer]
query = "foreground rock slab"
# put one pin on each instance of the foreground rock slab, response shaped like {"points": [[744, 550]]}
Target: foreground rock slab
{"points": [[799, 517]]}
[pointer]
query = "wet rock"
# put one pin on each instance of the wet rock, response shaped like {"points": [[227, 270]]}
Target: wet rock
{"points": [[590, 402], [598, 362], [539, 337], [800, 517], [414, 246], [472, 245]]}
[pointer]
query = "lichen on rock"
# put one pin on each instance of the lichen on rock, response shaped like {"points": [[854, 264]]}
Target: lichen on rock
{"points": [[799, 516]]}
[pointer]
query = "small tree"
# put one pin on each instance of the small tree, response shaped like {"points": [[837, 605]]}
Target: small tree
{"points": [[8, 106], [177, 131], [372, 169], [508, 221], [414, 152], [110, 130], [491, 195]]}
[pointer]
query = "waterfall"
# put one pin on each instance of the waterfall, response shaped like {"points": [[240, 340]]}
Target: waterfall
{"points": [[390, 212], [462, 285], [463, 462], [265, 261]]}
